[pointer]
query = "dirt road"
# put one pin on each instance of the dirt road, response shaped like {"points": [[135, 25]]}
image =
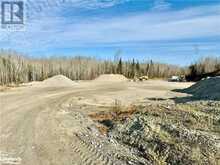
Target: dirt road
{"points": [[42, 126]]}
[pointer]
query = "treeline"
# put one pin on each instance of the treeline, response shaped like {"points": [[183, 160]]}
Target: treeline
{"points": [[15, 68], [205, 67]]}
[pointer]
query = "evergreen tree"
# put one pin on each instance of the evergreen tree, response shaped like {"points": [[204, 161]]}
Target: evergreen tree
{"points": [[120, 67], [137, 69], [132, 69]]}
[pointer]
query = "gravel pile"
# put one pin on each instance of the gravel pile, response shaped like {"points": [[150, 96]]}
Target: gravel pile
{"points": [[207, 88]]}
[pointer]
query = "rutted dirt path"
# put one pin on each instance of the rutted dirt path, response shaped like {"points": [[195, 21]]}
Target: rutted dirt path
{"points": [[42, 126], [32, 131]]}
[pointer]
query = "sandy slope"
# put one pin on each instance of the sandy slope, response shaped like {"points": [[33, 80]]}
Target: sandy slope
{"points": [[42, 126], [58, 81]]}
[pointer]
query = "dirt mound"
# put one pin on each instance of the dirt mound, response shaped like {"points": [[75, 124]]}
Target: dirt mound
{"points": [[208, 88], [58, 81], [182, 136], [111, 78]]}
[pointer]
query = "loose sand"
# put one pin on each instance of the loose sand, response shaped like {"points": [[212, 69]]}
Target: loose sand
{"points": [[48, 125], [57, 81], [111, 78]]}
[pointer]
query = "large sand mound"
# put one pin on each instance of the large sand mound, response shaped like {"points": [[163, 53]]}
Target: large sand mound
{"points": [[208, 88], [58, 81], [111, 78]]}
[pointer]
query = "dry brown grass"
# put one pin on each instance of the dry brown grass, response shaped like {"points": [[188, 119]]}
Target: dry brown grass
{"points": [[115, 114]]}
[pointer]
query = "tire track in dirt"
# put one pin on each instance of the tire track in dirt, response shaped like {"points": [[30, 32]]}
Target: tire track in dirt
{"points": [[82, 152], [89, 154], [33, 123]]}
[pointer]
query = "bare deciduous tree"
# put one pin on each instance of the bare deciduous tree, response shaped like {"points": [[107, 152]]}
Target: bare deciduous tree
{"points": [[15, 68]]}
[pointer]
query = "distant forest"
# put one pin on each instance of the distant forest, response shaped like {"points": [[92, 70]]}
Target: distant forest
{"points": [[16, 69]]}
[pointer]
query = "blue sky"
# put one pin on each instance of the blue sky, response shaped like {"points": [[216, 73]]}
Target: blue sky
{"points": [[171, 31]]}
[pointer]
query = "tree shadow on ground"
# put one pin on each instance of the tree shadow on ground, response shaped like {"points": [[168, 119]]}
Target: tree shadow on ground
{"points": [[189, 98], [186, 99]]}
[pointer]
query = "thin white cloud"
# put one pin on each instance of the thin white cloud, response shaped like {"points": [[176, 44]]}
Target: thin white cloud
{"points": [[161, 5], [40, 6], [54, 31]]}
